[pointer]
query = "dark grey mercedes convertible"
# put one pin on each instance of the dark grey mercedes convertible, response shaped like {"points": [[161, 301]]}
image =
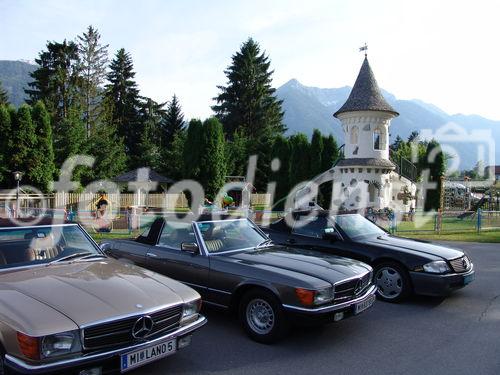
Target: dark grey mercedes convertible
{"points": [[401, 265], [233, 264]]}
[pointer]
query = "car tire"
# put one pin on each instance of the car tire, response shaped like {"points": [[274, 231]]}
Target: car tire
{"points": [[393, 282], [3, 369], [262, 316]]}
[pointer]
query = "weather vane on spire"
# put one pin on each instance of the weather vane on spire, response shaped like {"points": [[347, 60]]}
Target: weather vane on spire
{"points": [[364, 48]]}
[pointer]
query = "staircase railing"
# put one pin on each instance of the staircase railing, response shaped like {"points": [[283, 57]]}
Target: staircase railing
{"points": [[405, 168]]}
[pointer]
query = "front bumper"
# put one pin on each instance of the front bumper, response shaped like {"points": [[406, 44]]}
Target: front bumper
{"points": [[440, 285], [325, 314], [111, 357]]}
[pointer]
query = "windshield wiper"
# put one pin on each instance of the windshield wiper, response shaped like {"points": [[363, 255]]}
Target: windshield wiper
{"points": [[71, 256], [265, 243]]}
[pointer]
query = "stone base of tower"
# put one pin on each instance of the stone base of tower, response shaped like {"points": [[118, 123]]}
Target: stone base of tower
{"points": [[358, 187]]}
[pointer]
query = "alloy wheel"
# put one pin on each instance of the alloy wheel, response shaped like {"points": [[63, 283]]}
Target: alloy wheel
{"points": [[389, 282], [260, 316]]}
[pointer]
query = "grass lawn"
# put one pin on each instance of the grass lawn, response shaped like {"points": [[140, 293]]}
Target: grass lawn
{"points": [[448, 224], [114, 235], [471, 236]]}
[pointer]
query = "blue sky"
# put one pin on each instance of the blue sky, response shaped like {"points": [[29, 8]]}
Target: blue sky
{"points": [[443, 52]]}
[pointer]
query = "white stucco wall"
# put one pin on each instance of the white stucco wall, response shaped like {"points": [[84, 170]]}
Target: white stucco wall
{"points": [[365, 123]]}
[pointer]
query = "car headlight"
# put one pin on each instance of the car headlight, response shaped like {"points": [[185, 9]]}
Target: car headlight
{"points": [[61, 344], [49, 346], [190, 311], [323, 296], [438, 266], [314, 297]]}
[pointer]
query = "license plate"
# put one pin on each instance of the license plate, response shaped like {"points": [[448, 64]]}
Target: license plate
{"points": [[363, 305], [468, 279], [151, 353]]}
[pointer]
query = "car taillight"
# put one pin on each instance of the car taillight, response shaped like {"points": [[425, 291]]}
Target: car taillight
{"points": [[29, 346], [305, 296]]}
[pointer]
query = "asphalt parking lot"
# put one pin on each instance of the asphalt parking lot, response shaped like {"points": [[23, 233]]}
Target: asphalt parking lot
{"points": [[456, 335]]}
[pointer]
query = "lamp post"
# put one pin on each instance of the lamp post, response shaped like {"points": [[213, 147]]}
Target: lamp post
{"points": [[17, 176]]}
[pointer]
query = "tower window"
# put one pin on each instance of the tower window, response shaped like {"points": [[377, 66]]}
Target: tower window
{"points": [[377, 139], [354, 135]]}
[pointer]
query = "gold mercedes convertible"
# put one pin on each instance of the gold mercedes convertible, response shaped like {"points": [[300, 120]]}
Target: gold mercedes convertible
{"points": [[66, 307]]}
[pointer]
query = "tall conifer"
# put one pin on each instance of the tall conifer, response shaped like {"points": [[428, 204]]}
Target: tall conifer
{"points": [[123, 94]]}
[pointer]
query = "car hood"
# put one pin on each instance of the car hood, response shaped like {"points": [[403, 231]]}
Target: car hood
{"points": [[88, 292], [329, 268], [412, 246]]}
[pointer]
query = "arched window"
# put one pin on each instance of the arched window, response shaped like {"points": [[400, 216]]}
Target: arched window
{"points": [[377, 139], [354, 135]]}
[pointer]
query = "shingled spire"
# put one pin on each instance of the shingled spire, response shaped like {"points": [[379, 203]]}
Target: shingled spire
{"points": [[366, 95]]}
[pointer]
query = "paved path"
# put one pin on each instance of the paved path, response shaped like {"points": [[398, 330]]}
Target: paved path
{"points": [[457, 335]]}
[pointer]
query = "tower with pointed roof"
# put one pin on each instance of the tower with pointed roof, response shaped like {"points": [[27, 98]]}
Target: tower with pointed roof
{"points": [[366, 177]]}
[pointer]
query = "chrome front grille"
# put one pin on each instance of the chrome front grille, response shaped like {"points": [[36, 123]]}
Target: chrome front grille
{"points": [[350, 289], [119, 332], [461, 264]]}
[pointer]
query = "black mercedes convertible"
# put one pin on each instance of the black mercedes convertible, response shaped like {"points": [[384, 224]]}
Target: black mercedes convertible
{"points": [[401, 266], [234, 265]]}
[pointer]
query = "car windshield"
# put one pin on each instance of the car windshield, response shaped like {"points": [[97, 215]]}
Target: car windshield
{"points": [[230, 235], [357, 226], [43, 244]]}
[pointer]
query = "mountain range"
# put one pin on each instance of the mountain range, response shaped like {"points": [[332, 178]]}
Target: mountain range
{"points": [[15, 76], [308, 108]]}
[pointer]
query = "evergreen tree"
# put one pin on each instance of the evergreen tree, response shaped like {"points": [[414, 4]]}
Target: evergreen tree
{"points": [[316, 153], [56, 80], [92, 65], [437, 167], [43, 167], [150, 155], [172, 123], [413, 136], [173, 159], [24, 138], [236, 155], [5, 142], [248, 103], [123, 93], [192, 150], [213, 172], [300, 159], [282, 151], [109, 153], [394, 146], [71, 137], [4, 96], [330, 152]]}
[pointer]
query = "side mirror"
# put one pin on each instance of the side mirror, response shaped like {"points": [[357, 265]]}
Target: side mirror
{"points": [[331, 234], [105, 246], [190, 247]]}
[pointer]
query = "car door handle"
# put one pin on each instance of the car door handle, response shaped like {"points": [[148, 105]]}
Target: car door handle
{"points": [[151, 255], [291, 241]]}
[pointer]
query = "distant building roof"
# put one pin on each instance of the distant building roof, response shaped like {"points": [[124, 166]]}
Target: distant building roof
{"points": [[365, 94], [134, 175], [366, 162]]}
